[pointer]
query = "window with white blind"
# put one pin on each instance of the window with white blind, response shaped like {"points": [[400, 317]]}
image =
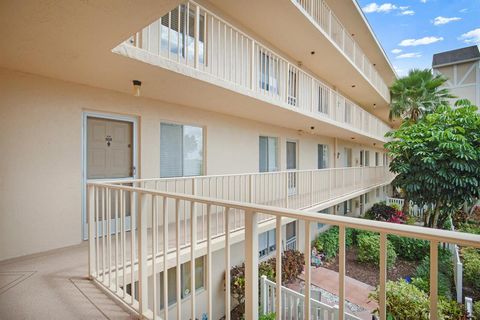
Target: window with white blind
{"points": [[181, 150], [322, 152], [266, 243], [268, 154]]}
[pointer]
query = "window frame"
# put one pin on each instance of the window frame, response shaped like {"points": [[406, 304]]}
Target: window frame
{"points": [[267, 161], [324, 152], [203, 140], [271, 246]]}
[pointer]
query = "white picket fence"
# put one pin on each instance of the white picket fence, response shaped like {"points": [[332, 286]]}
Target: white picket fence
{"points": [[457, 268], [413, 209]]}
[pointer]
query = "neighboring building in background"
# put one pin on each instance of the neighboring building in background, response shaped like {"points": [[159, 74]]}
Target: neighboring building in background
{"points": [[462, 68]]}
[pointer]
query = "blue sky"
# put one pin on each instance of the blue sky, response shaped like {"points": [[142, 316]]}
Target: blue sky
{"points": [[411, 31]]}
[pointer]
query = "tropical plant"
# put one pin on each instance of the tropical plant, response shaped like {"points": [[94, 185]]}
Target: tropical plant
{"points": [[237, 286], [292, 265], [382, 212], [437, 160], [417, 94]]}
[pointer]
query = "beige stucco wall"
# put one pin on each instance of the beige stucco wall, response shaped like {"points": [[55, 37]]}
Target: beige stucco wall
{"points": [[41, 148]]}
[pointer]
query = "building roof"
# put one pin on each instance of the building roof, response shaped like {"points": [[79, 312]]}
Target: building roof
{"points": [[456, 56]]}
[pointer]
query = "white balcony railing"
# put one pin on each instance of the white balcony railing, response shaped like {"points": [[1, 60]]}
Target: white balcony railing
{"points": [[170, 229], [193, 36], [326, 20]]}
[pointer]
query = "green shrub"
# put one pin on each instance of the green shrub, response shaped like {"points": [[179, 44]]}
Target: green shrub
{"points": [[469, 228], [409, 248], [404, 301], [451, 309], [269, 316], [349, 235], [266, 269], [445, 274], [471, 266], [327, 242], [369, 250], [476, 310], [407, 301], [359, 233]]}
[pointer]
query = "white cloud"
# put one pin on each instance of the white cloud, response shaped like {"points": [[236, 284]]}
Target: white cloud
{"points": [[374, 7], [409, 55], [418, 42], [423, 1], [471, 37], [443, 20], [396, 51], [463, 10], [407, 13], [403, 8]]}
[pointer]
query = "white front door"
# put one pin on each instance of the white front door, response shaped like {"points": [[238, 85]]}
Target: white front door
{"points": [[109, 155]]}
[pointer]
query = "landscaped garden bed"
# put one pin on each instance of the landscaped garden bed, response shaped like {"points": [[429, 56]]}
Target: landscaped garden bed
{"points": [[368, 273], [408, 265]]}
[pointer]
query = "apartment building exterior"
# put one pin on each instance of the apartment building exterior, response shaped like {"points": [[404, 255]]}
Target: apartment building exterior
{"points": [[462, 69], [243, 110]]}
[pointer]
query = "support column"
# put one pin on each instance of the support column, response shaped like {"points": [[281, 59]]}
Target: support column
{"points": [[251, 265]]}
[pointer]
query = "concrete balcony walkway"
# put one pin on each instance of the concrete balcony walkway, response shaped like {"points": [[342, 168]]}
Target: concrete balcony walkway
{"points": [[52, 285]]}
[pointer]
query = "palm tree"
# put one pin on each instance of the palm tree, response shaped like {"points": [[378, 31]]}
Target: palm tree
{"points": [[417, 94]]}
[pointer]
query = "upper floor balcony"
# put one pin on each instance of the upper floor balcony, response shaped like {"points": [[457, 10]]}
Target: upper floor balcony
{"points": [[194, 41], [324, 18], [331, 38]]}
